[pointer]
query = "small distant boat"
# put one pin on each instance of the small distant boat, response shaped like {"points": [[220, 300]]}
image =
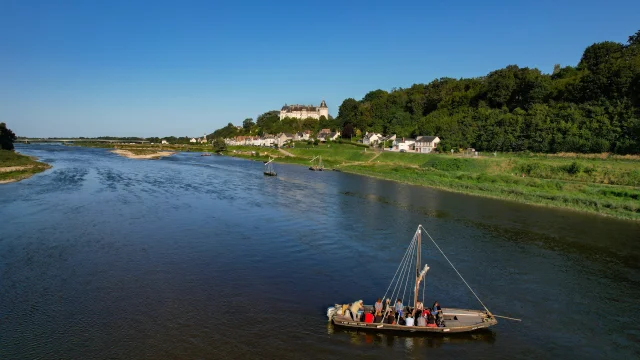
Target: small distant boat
{"points": [[316, 165], [268, 168], [451, 320], [205, 154]]}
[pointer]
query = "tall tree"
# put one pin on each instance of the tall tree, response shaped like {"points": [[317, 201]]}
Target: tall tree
{"points": [[247, 124], [348, 112], [7, 137]]}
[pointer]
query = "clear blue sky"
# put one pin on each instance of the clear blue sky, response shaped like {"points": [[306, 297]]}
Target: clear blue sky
{"points": [[159, 68]]}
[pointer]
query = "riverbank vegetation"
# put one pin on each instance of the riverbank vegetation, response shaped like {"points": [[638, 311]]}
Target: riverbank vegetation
{"points": [[15, 166], [593, 107], [606, 184]]}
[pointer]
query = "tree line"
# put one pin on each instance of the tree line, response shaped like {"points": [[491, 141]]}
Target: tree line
{"points": [[589, 108], [270, 123]]}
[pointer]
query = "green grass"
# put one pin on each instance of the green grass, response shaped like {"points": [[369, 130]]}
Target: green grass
{"points": [[11, 159], [602, 199]]}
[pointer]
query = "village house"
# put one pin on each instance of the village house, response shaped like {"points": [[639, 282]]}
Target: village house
{"points": [[323, 134], [268, 140], [389, 138], [334, 136], [330, 136], [371, 138], [164, 142], [282, 138], [426, 144], [302, 135], [257, 141], [404, 144]]}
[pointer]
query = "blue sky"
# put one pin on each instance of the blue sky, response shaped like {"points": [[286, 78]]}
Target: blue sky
{"points": [[160, 68]]}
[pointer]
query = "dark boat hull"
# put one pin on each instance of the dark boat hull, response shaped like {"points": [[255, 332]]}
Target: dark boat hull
{"points": [[270, 173]]}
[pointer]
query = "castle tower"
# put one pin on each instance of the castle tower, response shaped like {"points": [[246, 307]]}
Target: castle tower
{"points": [[324, 109]]}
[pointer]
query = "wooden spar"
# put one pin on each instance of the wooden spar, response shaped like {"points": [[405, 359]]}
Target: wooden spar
{"points": [[415, 292], [506, 317]]}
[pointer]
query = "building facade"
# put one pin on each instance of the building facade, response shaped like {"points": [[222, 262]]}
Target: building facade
{"points": [[304, 111]]}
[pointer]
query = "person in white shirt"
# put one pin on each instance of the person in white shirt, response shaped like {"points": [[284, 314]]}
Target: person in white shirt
{"points": [[409, 320]]}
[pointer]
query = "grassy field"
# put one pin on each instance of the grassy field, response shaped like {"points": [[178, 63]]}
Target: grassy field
{"points": [[595, 183], [15, 166]]}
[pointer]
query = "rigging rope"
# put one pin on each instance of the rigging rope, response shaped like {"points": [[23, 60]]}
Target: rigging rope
{"points": [[401, 262], [409, 271], [454, 268], [402, 272]]}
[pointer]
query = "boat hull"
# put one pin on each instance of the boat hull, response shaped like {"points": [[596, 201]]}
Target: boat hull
{"points": [[455, 321]]}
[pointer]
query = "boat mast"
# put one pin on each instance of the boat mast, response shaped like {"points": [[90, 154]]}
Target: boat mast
{"points": [[418, 275]]}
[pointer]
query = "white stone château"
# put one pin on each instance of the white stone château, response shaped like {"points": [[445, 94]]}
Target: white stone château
{"points": [[304, 111]]}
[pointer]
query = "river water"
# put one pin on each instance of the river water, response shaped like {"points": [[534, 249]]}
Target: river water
{"points": [[189, 257]]}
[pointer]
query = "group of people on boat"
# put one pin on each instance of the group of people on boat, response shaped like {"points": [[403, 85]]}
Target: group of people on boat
{"points": [[396, 314]]}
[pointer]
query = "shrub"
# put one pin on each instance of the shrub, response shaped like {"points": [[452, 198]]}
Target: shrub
{"points": [[452, 164], [574, 168]]}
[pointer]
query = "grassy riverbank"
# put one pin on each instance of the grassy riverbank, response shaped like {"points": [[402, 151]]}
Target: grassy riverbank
{"points": [[15, 166], [602, 184]]}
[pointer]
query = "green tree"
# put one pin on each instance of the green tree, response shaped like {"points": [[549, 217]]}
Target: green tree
{"points": [[634, 39], [7, 137], [500, 85], [219, 145], [347, 131], [348, 112], [248, 124]]}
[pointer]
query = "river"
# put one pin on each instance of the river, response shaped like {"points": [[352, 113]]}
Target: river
{"points": [[190, 257]]}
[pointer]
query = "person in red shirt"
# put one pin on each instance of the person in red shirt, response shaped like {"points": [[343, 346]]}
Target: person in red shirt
{"points": [[368, 317]]}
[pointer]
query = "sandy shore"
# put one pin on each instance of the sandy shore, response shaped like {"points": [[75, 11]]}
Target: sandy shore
{"points": [[20, 176], [130, 155], [14, 168]]}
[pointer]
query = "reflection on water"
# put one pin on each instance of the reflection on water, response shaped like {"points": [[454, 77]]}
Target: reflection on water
{"points": [[200, 257]]}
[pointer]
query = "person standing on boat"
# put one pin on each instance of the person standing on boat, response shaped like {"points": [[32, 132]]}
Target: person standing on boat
{"points": [[419, 307], [378, 307], [436, 308], [354, 309], [399, 308], [437, 312]]}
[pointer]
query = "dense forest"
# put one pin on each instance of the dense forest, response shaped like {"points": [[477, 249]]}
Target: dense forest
{"points": [[590, 108], [593, 107]]}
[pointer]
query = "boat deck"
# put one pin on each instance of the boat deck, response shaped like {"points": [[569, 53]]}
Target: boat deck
{"points": [[455, 320]]}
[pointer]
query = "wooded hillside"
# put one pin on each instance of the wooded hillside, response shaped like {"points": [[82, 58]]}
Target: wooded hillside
{"points": [[589, 108]]}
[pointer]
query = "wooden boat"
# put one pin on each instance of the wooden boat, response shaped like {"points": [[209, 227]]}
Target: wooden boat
{"points": [[268, 168], [316, 165], [452, 320]]}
